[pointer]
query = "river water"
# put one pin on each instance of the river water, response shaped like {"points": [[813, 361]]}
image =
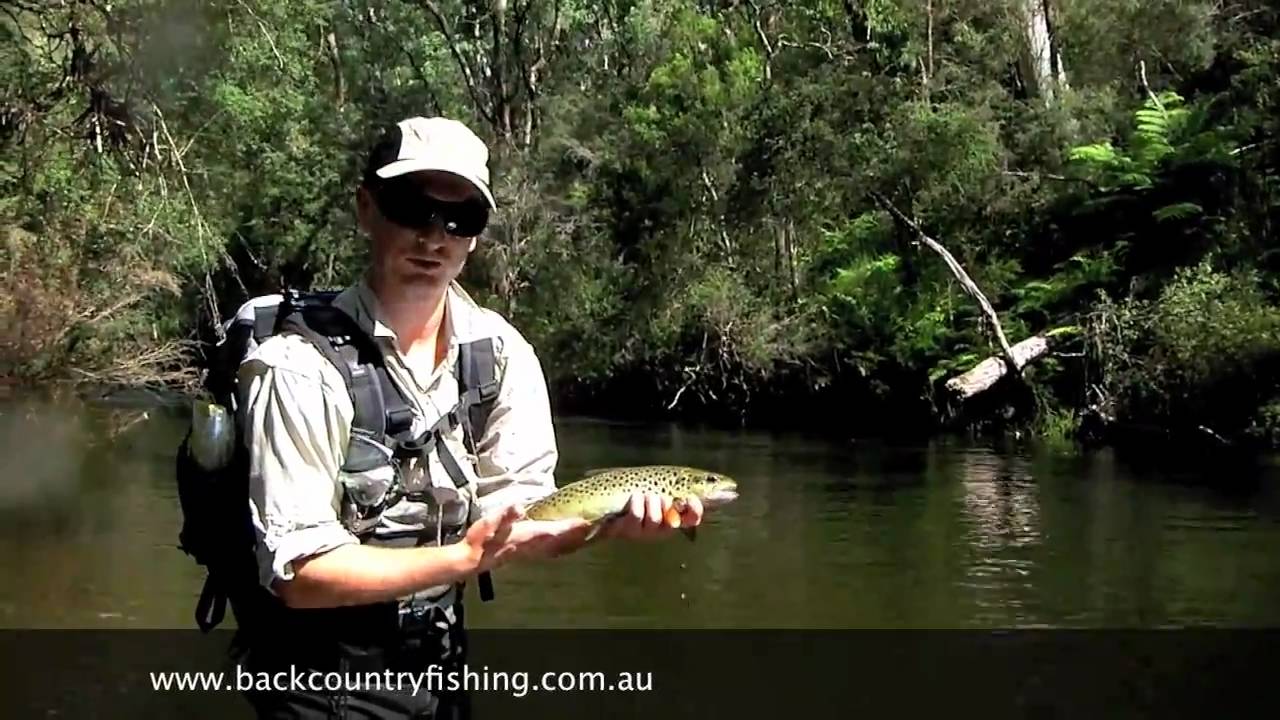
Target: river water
{"points": [[825, 534]]}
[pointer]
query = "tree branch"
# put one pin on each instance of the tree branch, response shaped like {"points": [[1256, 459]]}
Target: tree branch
{"points": [[1050, 176], [463, 65], [764, 40], [335, 59], [201, 227], [783, 42], [1010, 358], [422, 78], [1142, 74], [263, 26], [929, 16]]}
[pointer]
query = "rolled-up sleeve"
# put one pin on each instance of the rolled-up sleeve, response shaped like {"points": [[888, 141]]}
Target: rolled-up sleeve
{"points": [[516, 455], [295, 428]]}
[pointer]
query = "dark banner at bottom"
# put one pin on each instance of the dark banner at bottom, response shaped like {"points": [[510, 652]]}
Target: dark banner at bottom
{"points": [[669, 674]]}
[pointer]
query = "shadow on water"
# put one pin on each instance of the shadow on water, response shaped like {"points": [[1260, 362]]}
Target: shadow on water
{"points": [[826, 534]]}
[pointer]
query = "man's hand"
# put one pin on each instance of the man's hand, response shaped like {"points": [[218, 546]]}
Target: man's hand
{"points": [[494, 539], [651, 517]]}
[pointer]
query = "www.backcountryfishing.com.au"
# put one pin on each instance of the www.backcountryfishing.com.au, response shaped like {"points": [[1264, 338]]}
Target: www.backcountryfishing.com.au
{"points": [[434, 679]]}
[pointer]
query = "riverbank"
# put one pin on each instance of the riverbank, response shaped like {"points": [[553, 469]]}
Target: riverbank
{"points": [[825, 422], [1197, 365]]}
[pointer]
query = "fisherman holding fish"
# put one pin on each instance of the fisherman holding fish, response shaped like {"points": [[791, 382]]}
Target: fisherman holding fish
{"points": [[363, 561]]}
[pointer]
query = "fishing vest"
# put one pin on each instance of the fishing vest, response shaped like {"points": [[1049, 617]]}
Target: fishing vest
{"points": [[217, 529]]}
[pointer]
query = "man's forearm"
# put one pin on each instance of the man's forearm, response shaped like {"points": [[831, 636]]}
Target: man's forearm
{"points": [[361, 574]]}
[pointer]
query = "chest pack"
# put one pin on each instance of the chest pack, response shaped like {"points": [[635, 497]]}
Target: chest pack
{"points": [[212, 462]]}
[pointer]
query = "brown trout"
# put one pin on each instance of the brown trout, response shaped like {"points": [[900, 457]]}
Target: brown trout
{"points": [[603, 494]]}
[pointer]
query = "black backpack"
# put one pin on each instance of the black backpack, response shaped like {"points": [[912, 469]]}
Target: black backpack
{"points": [[217, 530]]}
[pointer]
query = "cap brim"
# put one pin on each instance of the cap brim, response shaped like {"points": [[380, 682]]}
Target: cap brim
{"points": [[404, 167]]}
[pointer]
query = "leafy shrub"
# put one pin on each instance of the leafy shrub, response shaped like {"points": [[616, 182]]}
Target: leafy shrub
{"points": [[1197, 353]]}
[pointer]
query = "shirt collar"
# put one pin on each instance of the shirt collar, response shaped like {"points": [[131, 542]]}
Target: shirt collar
{"points": [[361, 304]]}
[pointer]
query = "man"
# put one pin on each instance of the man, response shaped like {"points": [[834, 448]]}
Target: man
{"points": [[364, 562]]}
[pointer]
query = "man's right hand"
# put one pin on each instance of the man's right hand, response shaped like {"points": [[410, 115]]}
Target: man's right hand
{"points": [[355, 574], [494, 539]]}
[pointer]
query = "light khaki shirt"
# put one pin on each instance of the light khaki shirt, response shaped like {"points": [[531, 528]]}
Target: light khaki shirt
{"points": [[296, 414]]}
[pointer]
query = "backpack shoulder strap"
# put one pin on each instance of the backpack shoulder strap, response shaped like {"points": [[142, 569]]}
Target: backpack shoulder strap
{"points": [[379, 408], [478, 387]]}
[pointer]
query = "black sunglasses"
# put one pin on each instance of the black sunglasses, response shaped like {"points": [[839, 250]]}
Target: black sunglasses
{"points": [[406, 205]]}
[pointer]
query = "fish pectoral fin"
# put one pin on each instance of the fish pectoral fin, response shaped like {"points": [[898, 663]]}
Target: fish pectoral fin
{"points": [[599, 525], [594, 531], [690, 532]]}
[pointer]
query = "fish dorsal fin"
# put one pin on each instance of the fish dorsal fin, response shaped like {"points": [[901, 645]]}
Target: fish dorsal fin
{"points": [[601, 470]]}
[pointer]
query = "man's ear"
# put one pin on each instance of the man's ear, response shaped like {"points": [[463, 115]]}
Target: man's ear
{"points": [[364, 208], [472, 247]]}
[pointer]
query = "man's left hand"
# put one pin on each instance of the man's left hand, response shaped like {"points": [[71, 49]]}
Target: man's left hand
{"points": [[652, 517]]}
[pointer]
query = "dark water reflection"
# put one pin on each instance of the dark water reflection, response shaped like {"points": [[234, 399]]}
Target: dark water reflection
{"points": [[824, 535]]}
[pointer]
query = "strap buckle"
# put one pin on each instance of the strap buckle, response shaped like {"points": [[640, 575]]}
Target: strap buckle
{"points": [[417, 614]]}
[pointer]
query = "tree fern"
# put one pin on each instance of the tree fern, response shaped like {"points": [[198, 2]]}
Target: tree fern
{"points": [[1156, 132], [1165, 131]]}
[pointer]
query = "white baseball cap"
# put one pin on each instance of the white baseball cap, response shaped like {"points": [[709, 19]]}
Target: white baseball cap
{"points": [[418, 143]]}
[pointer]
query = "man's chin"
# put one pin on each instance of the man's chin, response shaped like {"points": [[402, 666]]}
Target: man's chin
{"points": [[408, 280], [424, 282]]}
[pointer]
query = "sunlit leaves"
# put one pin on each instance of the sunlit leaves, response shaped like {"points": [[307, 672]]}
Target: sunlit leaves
{"points": [[1164, 130]]}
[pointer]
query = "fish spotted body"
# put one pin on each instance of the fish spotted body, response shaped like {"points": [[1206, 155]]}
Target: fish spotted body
{"points": [[604, 494]]}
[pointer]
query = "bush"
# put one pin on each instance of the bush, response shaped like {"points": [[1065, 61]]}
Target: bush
{"points": [[1202, 352], [105, 321]]}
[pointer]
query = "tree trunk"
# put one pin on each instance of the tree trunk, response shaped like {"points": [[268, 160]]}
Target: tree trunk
{"points": [[497, 65], [790, 235], [335, 58], [779, 242], [1042, 64]]}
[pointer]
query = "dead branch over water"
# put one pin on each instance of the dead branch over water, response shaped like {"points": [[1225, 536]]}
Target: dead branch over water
{"points": [[1013, 358], [958, 270]]}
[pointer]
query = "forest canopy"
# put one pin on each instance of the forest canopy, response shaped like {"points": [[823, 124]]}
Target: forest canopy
{"points": [[688, 221]]}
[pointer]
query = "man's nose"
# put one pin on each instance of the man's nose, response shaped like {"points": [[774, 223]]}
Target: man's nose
{"points": [[431, 234]]}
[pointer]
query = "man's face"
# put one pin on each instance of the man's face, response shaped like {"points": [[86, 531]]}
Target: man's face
{"points": [[407, 259]]}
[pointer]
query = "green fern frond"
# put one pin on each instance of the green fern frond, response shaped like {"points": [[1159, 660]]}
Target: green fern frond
{"points": [[1149, 116], [1177, 211], [1100, 153], [1137, 180]]}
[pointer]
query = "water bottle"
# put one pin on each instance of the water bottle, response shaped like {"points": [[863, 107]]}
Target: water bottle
{"points": [[212, 435]]}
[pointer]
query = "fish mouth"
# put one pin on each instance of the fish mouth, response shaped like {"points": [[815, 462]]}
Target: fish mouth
{"points": [[718, 497]]}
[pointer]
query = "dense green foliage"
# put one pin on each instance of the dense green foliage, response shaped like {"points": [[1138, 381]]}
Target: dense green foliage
{"points": [[685, 224]]}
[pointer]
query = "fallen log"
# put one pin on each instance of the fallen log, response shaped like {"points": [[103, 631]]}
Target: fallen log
{"points": [[988, 372]]}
